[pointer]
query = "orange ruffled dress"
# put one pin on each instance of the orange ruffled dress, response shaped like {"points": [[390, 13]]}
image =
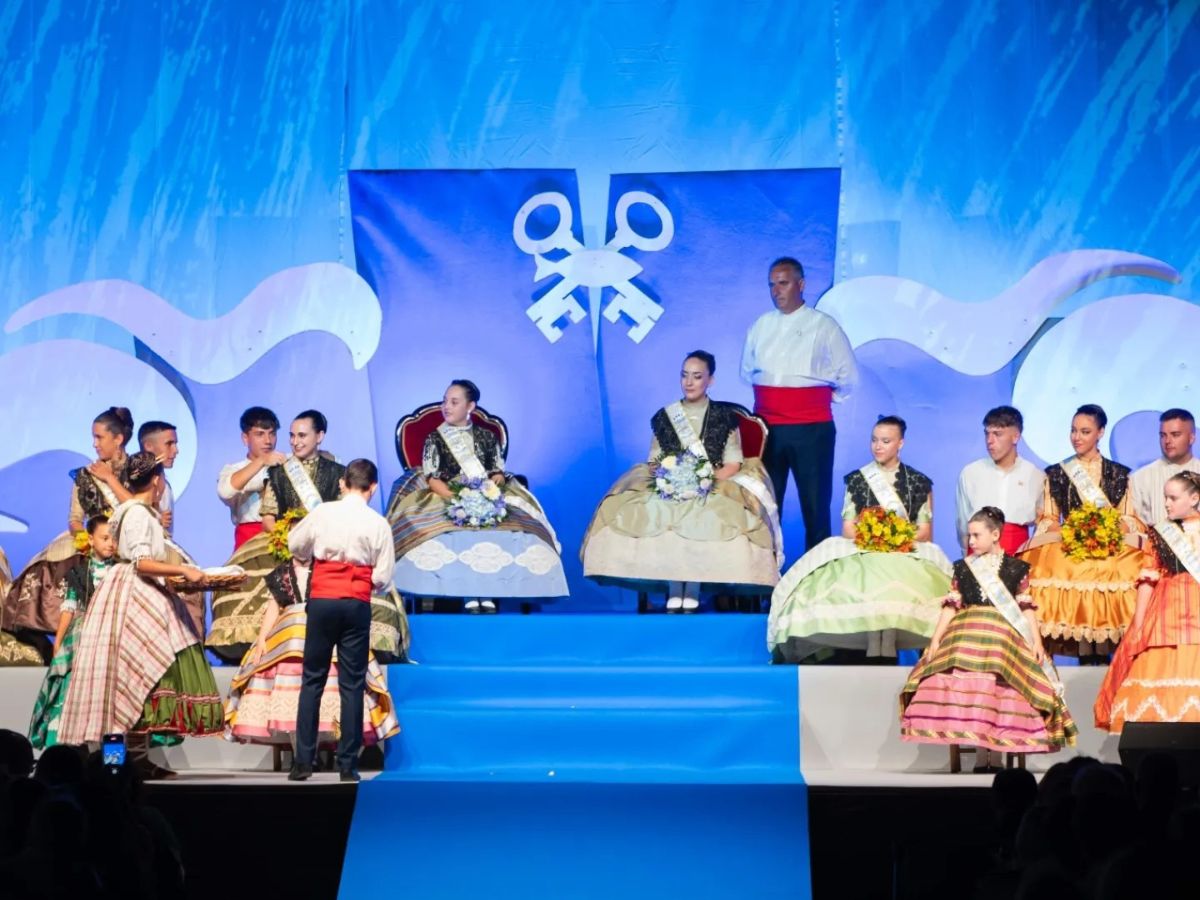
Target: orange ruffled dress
{"points": [[1155, 673]]}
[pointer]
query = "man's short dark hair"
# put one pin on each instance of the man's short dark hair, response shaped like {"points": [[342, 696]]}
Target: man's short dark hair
{"points": [[893, 420], [258, 417], [151, 428], [788, 261], [1176, 413], [1004, 417], [360, 474]]}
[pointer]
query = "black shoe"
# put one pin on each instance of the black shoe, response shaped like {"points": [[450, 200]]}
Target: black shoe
{"points": [[300, 773], [349, 775]]}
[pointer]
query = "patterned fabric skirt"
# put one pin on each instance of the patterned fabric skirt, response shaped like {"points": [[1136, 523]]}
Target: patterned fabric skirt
{"points": [[47, 709], [435, 558], [138, 666], [23, 648], [1082, 600], [984, 688], [727, 538], [1155, 673], [238, 614], [836, 594], [265, 695]]}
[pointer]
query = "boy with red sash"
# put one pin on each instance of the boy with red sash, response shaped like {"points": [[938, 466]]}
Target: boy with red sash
{"points": [[240, 484], [352, 555], [800, 363]]}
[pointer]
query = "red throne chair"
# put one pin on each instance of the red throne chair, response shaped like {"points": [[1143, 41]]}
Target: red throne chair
{"points": [[413, 429]]}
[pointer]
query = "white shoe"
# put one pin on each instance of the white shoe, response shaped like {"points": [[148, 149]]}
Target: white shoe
{"points": [[471, 606], [487, 606], [674, 604], [690, 604]]}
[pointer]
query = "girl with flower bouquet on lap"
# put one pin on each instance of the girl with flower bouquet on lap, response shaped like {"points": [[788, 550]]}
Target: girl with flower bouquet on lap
{"points": [[1083, 556], [985, 678], [696, 513], [878, 587], [463, 527]]}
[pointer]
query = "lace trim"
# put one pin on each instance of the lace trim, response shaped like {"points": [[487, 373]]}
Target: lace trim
{"points": [[1062, 631], [1067, 584]]}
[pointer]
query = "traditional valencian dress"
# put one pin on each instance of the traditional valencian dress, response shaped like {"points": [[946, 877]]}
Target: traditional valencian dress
{"points": [[1089, 600], [518, 557], [983, 686], [82, 580], [264, 695], [138, 665], [1155, 673], [840, 596], [238, 614], [729, 537], [13, 651]]}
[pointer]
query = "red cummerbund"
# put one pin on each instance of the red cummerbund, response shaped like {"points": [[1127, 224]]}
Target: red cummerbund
{"points": [[793, 405], [245, 531], [340, 581], [1012, 537]]}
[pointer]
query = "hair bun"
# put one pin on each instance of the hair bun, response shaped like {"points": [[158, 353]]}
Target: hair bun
{"points": [[123, 414], [141, 466]]}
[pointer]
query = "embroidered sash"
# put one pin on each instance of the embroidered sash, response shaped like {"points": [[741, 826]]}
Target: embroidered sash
{"points": [[462, 448], [1183, 549], [884, 490], [689, 439], [305, 489], [997, 591], [1087, 489]]}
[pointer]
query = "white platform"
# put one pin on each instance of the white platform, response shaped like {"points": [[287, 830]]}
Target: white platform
{"points": [[849, 734]]}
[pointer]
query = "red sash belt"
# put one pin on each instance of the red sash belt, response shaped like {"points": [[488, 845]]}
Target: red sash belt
{"points": [[245, 531], [793, 405], [1012, 537], [340, 580]]}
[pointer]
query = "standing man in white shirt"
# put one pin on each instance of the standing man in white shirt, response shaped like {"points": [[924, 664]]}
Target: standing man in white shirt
{"points": [[161, 439], [1001, 479], [240, 484], [800, 363], [1176, 435], [352, 555]]}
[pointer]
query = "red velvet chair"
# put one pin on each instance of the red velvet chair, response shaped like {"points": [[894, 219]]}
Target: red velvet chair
{"points": [[413, 429]]}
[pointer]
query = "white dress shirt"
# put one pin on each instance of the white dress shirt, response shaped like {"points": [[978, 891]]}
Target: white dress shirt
{"points": [[348, 531], [244, 504], [1147, 483], [166, 504], [1016, 492], [804, 348]]}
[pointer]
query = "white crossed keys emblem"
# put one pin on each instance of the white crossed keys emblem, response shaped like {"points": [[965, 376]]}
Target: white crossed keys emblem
{"points": [[581, 267]]}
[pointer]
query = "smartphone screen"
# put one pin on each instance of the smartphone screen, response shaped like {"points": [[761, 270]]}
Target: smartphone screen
{"points": [[112, 750]]}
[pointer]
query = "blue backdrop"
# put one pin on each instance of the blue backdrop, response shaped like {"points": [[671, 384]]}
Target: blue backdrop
{"points": [[176, 179]]}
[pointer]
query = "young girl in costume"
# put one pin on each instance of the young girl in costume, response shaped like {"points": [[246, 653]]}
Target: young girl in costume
{"points": [[1155, 673], [985, 679], [90, 568], [850, 597], [439, 556], [1084, 605], [729, 536]]}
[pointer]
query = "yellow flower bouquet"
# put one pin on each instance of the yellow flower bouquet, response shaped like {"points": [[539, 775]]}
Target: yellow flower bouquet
{"points": [[277, 537], [83, 543], [880, 530], [1092, 533]]}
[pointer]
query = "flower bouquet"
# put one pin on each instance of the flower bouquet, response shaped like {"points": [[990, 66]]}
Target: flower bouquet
{"points": [[83, 543], [683, 476], [882, 531], [477, 503], [277, 537], [1092, 533]]}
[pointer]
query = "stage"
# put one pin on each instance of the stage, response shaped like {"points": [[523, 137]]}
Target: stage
{"points": [[536, 735]]}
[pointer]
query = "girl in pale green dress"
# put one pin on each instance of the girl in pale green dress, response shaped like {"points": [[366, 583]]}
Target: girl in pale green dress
{"points": [[728, 539], [838, 595]]}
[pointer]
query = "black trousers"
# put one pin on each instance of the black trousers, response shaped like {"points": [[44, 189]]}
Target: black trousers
{"points": [[345, 624], [807, 452]]}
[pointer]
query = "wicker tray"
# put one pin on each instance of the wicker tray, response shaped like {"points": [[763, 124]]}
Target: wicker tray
{"points": [[210, 583]]}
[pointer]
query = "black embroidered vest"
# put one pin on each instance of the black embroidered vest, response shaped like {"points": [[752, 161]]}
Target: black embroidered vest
{"points": [[1012, 573], [1114, 481], [487, 448], [912, 487], [719, 421], [326, 479], [91, 497]]}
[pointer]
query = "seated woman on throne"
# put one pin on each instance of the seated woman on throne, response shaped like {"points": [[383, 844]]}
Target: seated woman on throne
{"points": [[463, 526], [879, 586], [697, 513]]}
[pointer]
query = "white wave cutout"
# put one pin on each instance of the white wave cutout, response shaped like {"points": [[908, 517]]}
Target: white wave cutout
{"points": [[319, 297], [64, 384], [1130, 353], [975, 338]]}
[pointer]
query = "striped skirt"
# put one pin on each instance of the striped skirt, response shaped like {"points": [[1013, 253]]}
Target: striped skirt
{"points": [[985, 688], [264, 695]]}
